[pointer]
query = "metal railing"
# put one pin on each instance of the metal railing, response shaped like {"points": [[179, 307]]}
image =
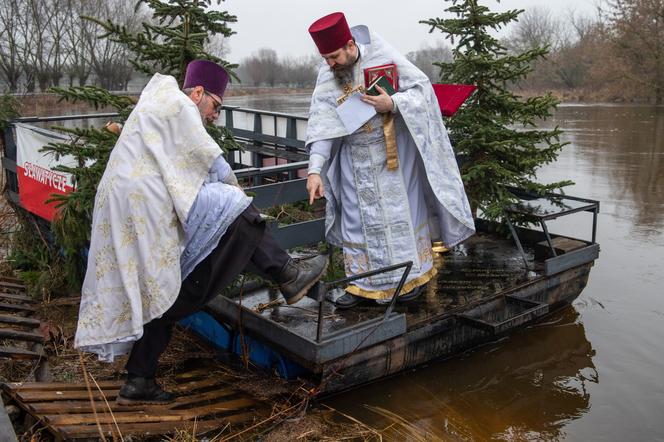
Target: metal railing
{"points": [[261, 134]]}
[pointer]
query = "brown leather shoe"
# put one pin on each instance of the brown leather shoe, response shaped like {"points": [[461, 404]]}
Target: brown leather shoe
{"points": [[300, 276]]}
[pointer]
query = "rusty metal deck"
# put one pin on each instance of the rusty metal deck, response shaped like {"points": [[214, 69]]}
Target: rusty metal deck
{"points": [[481, 268]]}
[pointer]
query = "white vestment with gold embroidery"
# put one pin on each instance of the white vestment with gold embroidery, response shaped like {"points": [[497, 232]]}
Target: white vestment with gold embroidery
{"points": [[150, 183], [382, 217]]}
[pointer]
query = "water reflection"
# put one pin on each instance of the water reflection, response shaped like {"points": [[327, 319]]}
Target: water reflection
{"points": [[526, 387], [297, 104], [618, 154]]}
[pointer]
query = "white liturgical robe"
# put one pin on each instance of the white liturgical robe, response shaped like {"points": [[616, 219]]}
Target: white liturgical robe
{"points": [[378, 216]]}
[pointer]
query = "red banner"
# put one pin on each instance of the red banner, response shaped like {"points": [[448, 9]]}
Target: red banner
{"points": [[37, 181]]}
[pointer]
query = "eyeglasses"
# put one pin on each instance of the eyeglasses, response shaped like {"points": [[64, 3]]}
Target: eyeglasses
{"points": [[217, 103]]}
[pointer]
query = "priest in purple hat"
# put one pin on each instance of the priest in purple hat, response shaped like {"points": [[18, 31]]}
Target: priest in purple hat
{"points": [[171, 229]]}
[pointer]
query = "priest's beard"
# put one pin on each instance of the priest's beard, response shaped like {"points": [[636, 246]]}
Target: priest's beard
{"points": [[344, 74]]}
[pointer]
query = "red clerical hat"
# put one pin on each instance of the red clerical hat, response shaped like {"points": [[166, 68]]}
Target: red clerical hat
{"points": [[208, 74], [330, 32]]}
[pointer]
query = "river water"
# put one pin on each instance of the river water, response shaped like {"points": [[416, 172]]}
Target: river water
{"points": [[594, 371]]}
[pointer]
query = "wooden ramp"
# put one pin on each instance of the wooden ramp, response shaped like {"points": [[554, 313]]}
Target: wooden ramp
{"points": [[20, 337], [206, 402]]}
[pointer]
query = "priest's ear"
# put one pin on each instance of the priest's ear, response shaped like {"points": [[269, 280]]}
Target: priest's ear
{"points": [[195, 93], [350, 44]]}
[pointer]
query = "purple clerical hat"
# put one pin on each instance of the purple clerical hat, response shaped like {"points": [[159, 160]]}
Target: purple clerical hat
{"points": [[208, 74]]}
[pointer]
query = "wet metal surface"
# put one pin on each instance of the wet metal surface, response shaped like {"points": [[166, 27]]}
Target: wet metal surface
{"points": [[481, 267]]}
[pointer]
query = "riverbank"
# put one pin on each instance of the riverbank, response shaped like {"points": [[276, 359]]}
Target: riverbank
{"points": [[46, 104], [50, 104]]}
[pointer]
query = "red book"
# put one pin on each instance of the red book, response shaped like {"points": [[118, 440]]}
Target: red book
{"points": [[451, 96], [389, 71]]}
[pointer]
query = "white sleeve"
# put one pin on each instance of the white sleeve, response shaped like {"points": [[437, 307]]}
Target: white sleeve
{"points": [[220, 170], [319, 153]]}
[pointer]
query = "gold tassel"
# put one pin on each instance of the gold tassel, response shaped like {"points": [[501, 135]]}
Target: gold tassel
{"points": [[390, 142]]}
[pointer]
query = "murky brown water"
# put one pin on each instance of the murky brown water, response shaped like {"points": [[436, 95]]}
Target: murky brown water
{"points": [[592, 372]]}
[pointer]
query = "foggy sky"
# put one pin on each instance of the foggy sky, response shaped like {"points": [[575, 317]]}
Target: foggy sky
{"points": [[282, 24]]}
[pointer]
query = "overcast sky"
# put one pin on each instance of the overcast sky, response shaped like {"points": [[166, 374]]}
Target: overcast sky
{"points": [[282, 24]]}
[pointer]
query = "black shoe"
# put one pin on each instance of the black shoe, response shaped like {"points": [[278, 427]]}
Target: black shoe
{"points": [[348, 301], [139, 390], [411, 295], [300, 276]]}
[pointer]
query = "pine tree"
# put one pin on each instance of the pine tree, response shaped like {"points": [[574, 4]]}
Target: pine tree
{"points": [[177, 35], [495, 136]]}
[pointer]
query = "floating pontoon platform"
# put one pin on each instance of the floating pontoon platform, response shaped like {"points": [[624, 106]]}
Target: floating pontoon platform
{"points": [[485, 288]]}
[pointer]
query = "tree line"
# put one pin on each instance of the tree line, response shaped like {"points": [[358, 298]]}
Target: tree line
{"points": [[615, 55], [618, 54], [47, 43]]}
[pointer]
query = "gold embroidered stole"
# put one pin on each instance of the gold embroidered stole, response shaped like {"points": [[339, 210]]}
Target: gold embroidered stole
{"points": [[388, 127]]}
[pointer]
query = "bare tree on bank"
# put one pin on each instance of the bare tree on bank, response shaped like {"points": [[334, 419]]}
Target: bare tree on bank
{"points": [[10, 63], [46, 41], [539, 27], [636, 32], [265, 68], [425, 57]]}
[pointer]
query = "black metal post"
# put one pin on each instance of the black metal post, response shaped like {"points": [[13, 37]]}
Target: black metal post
{"points": [[548, 237], [408, 265], [291, 132], [257, 158], [517, 241], [322, 289], [595, 224], [397, 291]]}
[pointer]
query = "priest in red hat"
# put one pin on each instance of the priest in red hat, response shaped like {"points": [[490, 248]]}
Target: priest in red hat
{"points": [[383, 162], [170, 230]]}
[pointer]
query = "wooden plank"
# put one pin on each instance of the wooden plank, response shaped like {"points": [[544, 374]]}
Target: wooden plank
{"points": [[14, 297], [121, 417], [57, 386], [5, 278], [198, 372], [147, 429], [19, 353], [187, 401], [64, 395], [19, 335], [84, 406], [191, 386], [105, 385], [154, 415], [12, 285], [110, 391], [17, 307], [19, 320], [561, 245]]}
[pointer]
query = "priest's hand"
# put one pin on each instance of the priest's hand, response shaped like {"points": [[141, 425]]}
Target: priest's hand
{"points": [[314, 187], [382, 103]]}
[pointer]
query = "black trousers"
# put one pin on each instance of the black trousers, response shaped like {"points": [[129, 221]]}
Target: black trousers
{"points": [[245, 243]]}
